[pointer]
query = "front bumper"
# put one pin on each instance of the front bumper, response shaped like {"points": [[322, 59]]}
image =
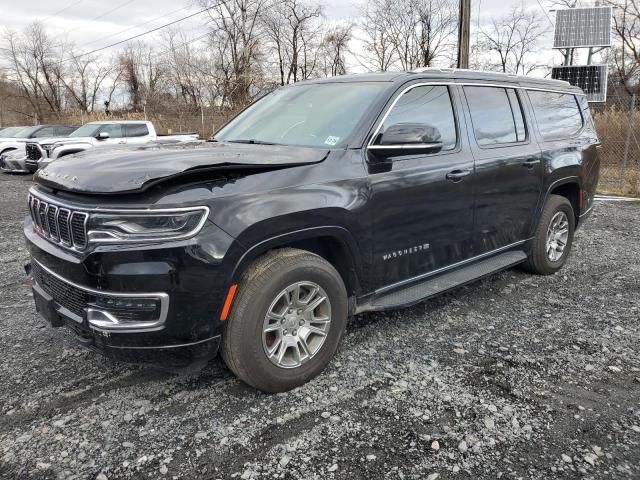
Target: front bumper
{"points": [[135, 302], [14, 164]]}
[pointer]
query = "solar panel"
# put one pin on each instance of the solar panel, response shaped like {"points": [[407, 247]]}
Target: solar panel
{"points": [[583, 27], [592, 79]]}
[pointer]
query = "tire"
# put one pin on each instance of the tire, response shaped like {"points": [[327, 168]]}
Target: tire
{"points": [[540, 261], [262, 290]]}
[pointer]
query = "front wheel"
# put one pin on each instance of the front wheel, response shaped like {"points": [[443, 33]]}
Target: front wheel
{"points": [[287, 320], [553, 238]]}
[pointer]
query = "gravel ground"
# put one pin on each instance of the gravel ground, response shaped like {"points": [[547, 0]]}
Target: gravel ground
{"points": [[516, 376]]}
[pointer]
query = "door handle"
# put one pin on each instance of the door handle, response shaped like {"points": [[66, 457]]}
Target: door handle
{"points": [[532, 162], [122, 142], [457, 175]]}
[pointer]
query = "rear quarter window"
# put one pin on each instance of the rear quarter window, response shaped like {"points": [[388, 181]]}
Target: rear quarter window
{"points": [[558, 114]]}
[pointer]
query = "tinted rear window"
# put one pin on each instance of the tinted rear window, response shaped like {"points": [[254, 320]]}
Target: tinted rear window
{"points": [[137, 130], [494, 120], [558, 114]]}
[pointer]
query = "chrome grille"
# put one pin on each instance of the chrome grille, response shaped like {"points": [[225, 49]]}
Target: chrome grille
{"points": [[59, 225], [33, 152]]}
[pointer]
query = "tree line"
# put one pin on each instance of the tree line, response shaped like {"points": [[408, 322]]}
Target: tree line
{"points": [[253, 46]]}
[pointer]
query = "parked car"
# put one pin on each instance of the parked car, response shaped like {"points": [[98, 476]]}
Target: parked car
{"points": [[13, 156], [14, 161], [16, 139], [99, 134], [7, 132], [321, 200]]}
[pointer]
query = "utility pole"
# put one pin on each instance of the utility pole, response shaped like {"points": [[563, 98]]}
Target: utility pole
{"points": [[464, 29]]}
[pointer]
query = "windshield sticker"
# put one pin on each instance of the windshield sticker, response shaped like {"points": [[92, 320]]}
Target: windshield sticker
{"points": [[331, 140]]}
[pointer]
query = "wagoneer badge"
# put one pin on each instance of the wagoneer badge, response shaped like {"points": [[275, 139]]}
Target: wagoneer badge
{"points": [[405, 251]]}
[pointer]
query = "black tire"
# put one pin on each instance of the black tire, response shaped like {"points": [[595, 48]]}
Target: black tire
{"points": [[242, 342], [538, 261]]}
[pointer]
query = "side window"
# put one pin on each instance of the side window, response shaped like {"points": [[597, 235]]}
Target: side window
{"points": [[429, 105], [113, 129], [558, 114], [63, 131], [137, 129], [496, 114], [45, 132]]}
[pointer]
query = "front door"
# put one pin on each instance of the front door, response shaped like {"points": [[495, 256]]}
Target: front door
{"points": [[509, 170], [422, 204]]}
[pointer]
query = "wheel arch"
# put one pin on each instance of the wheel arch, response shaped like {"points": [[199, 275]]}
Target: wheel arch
{"points": [[570, 189], [333, 243]]}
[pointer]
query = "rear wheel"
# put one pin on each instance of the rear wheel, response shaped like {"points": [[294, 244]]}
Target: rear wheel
{"points": [[553, 238], [287, 320]]}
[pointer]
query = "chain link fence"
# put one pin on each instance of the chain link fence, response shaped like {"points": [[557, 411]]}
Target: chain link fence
{"points": [[618, 125]]}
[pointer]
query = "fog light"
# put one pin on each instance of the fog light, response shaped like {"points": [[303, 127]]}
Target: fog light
{"points": [[110, 312]]}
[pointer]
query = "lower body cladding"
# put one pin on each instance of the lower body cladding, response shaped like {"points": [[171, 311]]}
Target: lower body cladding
{"points": [[159, 305]]}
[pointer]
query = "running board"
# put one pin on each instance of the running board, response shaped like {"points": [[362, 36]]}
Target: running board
{"points": [[424, 289]]}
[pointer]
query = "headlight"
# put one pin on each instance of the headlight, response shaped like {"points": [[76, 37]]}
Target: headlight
{"points": [[124, 227]]}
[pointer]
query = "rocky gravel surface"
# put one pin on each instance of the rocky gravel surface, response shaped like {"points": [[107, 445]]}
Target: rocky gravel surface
{"points": [[516, 376]]}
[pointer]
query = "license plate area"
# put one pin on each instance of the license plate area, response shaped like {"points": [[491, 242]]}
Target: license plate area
{"points": [[46, 307]]}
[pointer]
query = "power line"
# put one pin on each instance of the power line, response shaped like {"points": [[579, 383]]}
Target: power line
{"points": [[63, 10], [545, 12], [134, 26], [127, 2], [141, 34]]}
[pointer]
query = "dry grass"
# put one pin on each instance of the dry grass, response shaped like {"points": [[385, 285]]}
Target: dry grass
{"points": [[619, 130]]}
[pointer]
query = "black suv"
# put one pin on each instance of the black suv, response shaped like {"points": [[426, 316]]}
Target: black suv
{"points": [[321, 200]]}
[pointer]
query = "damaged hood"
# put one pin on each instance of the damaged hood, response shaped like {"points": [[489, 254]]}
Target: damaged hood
{"points": [[126, 170]]}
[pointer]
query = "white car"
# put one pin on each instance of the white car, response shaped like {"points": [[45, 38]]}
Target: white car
{"points": [[14, 162], [15, 138], [99, 135]]}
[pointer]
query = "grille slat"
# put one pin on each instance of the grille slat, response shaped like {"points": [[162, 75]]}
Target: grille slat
{"points": [[63, 225], [78, 229], [59, 225], [33, 152], [52, 213]]}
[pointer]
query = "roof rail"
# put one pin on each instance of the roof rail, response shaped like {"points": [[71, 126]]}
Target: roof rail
{"points": [[454, 70]]}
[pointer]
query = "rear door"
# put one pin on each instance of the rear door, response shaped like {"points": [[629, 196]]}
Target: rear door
{"points": [[508, 166], [422, 204]]}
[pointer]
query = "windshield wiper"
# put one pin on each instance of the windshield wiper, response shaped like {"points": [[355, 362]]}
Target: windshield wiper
{"points": [[253, 142]]}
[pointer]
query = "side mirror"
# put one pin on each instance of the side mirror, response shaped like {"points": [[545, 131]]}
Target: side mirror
{"points": [[407, 139], [103, 135]]}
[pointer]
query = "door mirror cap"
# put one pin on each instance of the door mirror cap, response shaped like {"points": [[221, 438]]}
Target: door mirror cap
{"points": [[407, 139], [103, 135]]}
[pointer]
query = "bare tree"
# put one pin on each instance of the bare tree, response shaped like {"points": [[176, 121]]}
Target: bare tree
{"points": [[408, 33], [512, 39], [293, 27], [84, 79], [237, 31], [335, 46], [35, 63], [142, 75], [626, 55], [379, 51]]}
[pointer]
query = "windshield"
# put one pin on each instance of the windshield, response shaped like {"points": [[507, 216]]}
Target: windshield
{"points": [[26, 132], [9, 132], [88, 130], [314, 115]]}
